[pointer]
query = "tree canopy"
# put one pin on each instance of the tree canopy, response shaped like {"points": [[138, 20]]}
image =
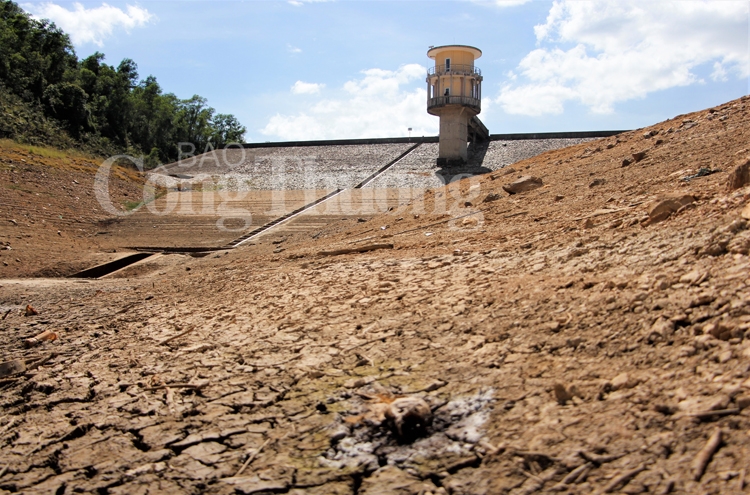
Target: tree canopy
{"points": [[101, 108]]}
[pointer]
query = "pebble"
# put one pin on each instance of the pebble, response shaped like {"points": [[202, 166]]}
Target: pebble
{"points": [[664, 208], [525, 183], [622, 381]]}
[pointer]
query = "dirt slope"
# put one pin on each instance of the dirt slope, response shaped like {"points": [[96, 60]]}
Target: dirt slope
{"points": [[563, 339], [49, 215]]}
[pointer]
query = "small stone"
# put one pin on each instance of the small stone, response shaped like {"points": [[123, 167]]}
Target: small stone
{"points": [[596, 182], [661, 330], [525, 183], [724, 356], [742, 401], [491, 197], [359, 382], [558, 197], [339, 433], [702, 300], [562, 395], [740, 176], [664, 208], [746, 212], [410, 416], [30, 311], [622, 381], [469, 221], [694, 277], [626, 162], [686, 351], [639, 155], [720, 331]]}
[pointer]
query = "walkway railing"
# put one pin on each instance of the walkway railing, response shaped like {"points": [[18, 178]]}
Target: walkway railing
{"points": [[467, 101], [457, 69]]}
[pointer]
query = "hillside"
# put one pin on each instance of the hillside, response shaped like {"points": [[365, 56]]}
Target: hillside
{"points": [[585, 336], [50, 217]]}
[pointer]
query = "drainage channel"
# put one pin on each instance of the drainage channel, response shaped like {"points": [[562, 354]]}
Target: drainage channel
{"points": [[315, 203], [112, 266]]}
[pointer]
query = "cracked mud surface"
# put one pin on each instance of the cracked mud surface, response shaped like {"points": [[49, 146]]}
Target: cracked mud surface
{"points": [[562, 343]]}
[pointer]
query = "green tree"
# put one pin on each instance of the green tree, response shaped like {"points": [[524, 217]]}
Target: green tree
{"points": [[227, 129], [100, 106]]}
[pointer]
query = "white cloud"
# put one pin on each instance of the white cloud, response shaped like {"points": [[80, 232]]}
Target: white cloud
{"points": [[381, 103], [303, 88], [90, 25], [501, 3], [299, 3], [293, 49], [599, 52], [509, 3]]}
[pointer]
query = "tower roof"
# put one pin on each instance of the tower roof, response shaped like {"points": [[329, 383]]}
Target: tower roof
{"points": [[432, 52]]}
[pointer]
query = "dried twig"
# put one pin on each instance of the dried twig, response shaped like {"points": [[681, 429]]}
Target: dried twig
{"points": [[573, 476], [5, 316], [491, 449], [32, 365], [711, 414], [530, 454], [623, 479], [274, 364], [177, 385], [175, 337], [13, 422], [537, 482], [8, 381], [251, 458], [704, 456], [361, 249], [599, 459]]}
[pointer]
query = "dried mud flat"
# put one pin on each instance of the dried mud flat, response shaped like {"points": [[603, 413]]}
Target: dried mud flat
{"points": [[586, 336]]}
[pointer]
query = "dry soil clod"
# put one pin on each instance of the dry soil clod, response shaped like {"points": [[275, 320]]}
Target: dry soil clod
{"points": [[12, 367]]}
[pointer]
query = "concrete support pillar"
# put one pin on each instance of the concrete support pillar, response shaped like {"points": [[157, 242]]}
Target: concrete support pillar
{"points": [[454, 133]]}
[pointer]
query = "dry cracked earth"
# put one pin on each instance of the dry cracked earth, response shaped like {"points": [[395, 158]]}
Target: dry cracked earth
{"points": [[587, 335]]}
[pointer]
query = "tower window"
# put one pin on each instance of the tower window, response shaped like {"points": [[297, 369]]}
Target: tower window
{"points": [[447, 65]]}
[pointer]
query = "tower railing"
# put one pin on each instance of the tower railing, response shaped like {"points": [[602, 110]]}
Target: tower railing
{"points": [[457, 69], [467, 101]]}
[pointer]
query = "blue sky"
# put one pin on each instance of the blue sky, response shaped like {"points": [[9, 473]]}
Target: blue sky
{"points": [[305, 69]]}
